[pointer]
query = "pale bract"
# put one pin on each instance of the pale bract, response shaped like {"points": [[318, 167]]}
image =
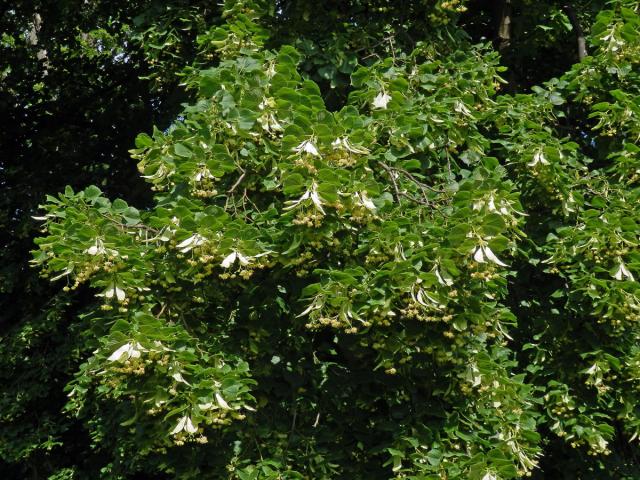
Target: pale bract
{"points": [[443, 277], [244, 260], [538, 158], [179, 378], [316, 304], [203, 173], [310, 194], [398, 251], [222, 402], [161, 173], [362, 199], [270, 123], [462, 109], [473, 375], [114, 291], [483, 253], [232, 257], [307, 146], [421, 296], [98, 248], [43, 218], [343, 143], [501, 208], [593, 369], [623, 273], [127, 351], [193, 241], [166, 234], [492, 204], [381, 100], [614, 42], [64, 273], [184, 424], [95, 250]]}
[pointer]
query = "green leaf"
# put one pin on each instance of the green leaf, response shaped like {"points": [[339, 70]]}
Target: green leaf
{"points": [[92, 193], [182, 151], [143, 141]]}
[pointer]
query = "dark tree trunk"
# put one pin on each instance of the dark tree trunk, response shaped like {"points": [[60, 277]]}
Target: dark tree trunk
{"points": [[504, 25], [568, 9]]}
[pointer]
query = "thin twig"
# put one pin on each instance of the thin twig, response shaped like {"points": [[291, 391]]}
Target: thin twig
{"points": [[246, 197], [124, 226], [393, 50], [426, 203], [370, 47], [392, 171], [235, 185], [255, 439], [393, 180], [418, 182]]}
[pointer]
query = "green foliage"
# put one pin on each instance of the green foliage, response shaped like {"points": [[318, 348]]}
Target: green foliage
{"points": [[433, 280]]}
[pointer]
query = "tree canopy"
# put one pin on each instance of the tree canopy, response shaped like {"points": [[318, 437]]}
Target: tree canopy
{"points": [[365, 239]]}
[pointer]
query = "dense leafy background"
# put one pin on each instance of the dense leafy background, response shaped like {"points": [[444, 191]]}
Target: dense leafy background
{"points": [[379, 239]]}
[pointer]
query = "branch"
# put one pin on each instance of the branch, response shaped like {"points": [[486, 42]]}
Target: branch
{"points": [[235, 185], [392, 173], [568, 9], [416, 181], [125, 228], [393, 180]]}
